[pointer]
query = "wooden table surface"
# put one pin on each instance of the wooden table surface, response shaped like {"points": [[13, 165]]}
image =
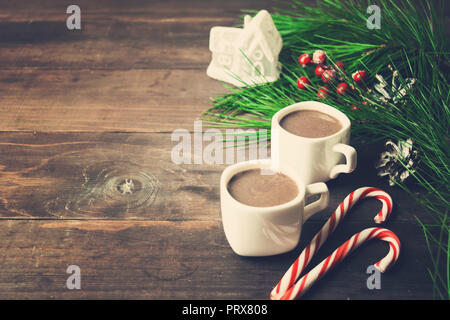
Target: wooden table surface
{"points": [[82, 111]]}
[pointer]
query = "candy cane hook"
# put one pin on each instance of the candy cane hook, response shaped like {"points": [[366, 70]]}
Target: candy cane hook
{"points": [[340, 253], [287, 288]]}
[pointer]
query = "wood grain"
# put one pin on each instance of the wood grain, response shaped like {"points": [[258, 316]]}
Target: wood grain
{"points": [[109, 40], [183, 260], [84, 176], [119, 36], [104, 100]]}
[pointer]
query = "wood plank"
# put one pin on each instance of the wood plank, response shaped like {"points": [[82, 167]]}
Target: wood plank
{"points": [[82, 176], [104, 100], [146, 35], [118, 42], [154, 7], [185, 260]]}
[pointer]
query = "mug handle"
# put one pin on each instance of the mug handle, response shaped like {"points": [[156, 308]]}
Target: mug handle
{"points": [[318, 205], [350, 158]]}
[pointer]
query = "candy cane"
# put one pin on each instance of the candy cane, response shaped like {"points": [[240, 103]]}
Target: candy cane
{"points": [[339, 254], [287, 288]]}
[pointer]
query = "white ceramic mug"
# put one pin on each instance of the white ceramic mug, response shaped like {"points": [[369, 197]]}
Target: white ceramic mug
{"points": [[314, 159], [263, 231]]}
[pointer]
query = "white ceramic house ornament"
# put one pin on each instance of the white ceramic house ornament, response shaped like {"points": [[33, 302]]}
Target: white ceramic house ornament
{"points": [[246, 56]]}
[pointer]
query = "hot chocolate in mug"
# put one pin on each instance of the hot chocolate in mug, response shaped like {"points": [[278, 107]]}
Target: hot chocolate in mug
{"points": [[314, 159], [263, 231]]}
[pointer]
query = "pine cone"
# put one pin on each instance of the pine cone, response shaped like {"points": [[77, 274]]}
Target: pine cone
{"points": [[393, 94], [398, 162]]}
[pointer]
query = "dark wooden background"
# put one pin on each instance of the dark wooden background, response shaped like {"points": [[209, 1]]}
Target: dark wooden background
{"points": [[81, 111]]}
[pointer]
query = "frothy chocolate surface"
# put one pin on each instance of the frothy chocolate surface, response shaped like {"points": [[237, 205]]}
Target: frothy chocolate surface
{"points": [[310, 124], [262, 188]]}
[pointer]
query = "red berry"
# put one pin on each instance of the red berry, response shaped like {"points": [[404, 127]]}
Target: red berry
{"points": [[302, 82], [359, 76], [319, 57], [340, 65], [304, 59], [323, 92], [319, 70], [355, 108], [328, 75], [342, 88]]}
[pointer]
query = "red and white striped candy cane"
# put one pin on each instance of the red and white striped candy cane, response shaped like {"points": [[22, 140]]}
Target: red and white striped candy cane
{"points": [[289, 288], [340, 253]]}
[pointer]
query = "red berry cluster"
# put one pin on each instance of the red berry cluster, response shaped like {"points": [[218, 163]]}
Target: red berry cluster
{"points": [[327, 73]]}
